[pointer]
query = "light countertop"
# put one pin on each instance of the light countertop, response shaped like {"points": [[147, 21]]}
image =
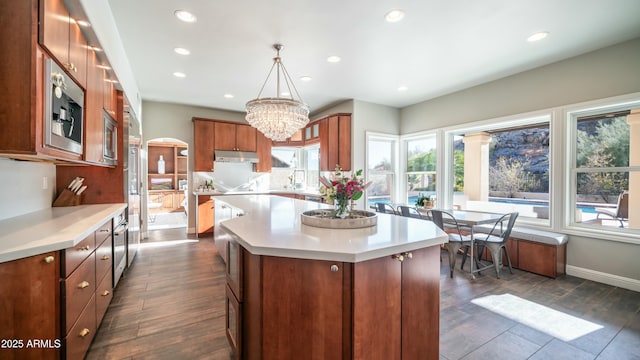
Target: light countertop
{"points": [[51, 229], [271, 225], [258, 192]]}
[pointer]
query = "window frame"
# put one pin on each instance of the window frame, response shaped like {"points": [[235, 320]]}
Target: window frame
{"points": [[394, 139], [570, 117], [404, 158]]}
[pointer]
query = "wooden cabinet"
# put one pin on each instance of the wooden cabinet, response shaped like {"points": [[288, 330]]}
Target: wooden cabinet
{"points": [[94, 141], [286, 308], [297, 139], [61, 36], [203, 137], [205, 214], [312, 133], [335, 142], [234, 137], [30, 305], [264, 154]]}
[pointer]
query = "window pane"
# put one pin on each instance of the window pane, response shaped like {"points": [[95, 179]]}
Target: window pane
{"points": [[421, 154], [602, 199], [380, 155], [380, 188], [420, 184], [283, 157], [602, 142]]}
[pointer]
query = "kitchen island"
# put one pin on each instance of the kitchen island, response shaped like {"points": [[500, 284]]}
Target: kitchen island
{"points": [[296, 291]]}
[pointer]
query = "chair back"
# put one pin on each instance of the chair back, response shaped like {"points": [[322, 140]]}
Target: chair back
{"points": [[504, 232], [385, 208], [440, 217], [409, 211], [623, 205]]}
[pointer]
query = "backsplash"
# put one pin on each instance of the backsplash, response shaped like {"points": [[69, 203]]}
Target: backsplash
{"points": [[21, 187]]}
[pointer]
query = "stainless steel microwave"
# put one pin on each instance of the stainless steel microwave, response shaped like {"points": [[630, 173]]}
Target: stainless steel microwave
{"points": [[64, 110], [109, 139]]}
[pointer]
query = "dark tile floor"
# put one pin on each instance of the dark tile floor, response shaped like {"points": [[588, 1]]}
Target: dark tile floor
{"points": [[170, 305]]}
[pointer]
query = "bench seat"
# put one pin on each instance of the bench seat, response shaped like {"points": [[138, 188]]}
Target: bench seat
{"points": [[537, 251]]}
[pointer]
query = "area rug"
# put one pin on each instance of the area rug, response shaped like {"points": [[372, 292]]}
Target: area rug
{"points": [[553, 322]]}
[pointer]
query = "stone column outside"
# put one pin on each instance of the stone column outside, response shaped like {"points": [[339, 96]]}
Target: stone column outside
{"points": [[476, 166]]}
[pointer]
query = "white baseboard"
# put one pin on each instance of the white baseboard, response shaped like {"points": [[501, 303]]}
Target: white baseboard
{"points": [[605, 278]]}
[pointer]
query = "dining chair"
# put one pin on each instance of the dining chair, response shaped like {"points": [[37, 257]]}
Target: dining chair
{"points": [[385, 208], [456, 239], [409, 211], [496, 240]]}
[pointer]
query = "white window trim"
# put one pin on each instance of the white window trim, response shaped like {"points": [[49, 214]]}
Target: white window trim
{"points": [[404, 139], [370, 135], [570, 114]]}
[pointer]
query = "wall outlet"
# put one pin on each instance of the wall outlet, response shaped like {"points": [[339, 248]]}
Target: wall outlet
{"points": [[45, 183]]}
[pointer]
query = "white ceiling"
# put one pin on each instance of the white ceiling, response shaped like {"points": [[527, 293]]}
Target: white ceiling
{"points": [[440, 46]]}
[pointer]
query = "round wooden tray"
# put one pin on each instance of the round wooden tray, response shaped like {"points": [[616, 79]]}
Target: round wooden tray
{"points": [[326, 218]]}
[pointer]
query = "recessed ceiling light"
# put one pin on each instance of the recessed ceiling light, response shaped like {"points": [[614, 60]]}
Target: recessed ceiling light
{"points": [[179, 74], [185, 16], [394, 15], [305, 78], [403, 88], [228, 96], [181, 51], [83, 23], [333, 59], [104, 67], [538, 36]]}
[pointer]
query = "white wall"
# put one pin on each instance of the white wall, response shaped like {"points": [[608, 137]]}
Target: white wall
{"points": [[600, 74], [21, 187]]}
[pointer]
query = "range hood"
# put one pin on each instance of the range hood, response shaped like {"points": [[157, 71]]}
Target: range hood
{"points": [[235, 156]]}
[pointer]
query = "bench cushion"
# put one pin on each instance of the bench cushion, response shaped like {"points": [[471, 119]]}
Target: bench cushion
{"points": [[545, 237]]}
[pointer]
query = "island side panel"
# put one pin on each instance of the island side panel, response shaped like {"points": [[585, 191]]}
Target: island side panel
{"points": [[421, 304], [376, 309]]}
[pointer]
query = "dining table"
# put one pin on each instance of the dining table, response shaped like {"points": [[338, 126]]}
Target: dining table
{"points": [[469, 219]]}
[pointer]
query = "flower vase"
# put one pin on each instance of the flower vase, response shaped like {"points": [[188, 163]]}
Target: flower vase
{"points": [[342, 207]]}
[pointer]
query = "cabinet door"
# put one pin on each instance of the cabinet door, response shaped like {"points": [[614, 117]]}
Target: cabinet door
{"points": [[225, 136], [264, 154], [376, 309], [54, 30], [233, 326], [205, 215], [303, 308], [77, 53], [203, 137], [109, 102], [246, 138], [335, 142], [344, 142], [29, 305], [421, 304]]}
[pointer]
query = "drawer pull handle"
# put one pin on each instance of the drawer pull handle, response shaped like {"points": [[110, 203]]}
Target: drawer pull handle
{"points": [[49, 259], [83, 285], [334, 268], [105, 293], [84, 248], [105, 257], [104, 230], [84, 332]]}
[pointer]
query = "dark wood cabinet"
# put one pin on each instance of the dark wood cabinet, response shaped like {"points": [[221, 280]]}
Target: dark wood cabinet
{"points": [[203, 137], [297, 139], [264, 153], [175, 166], [335, 142], [287, 308], [234, 137], [61, 36], [30, 305]]}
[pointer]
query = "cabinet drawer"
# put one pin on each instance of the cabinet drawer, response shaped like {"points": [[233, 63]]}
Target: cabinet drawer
{"points": [[78, 289], [75, 255], [104, 261], [104, 294], [80, 336], [103, 233], [233, 320], [234, 269]]}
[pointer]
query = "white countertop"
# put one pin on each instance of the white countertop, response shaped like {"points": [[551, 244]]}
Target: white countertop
{"points": [[51, 229], [258, 192], [272, 226]]}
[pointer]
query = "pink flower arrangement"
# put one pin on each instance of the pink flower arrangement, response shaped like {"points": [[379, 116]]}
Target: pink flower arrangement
{"points": [[342, 188]]}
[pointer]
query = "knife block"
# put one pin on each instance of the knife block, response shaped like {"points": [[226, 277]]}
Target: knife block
{"points": [[67, 198]]}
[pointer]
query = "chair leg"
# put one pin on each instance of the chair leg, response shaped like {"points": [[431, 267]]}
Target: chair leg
{"points": [[453, 252], [506, 252], [496, 256]]}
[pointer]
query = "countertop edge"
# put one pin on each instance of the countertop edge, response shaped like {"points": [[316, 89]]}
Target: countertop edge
{"points": [[43, 236]]}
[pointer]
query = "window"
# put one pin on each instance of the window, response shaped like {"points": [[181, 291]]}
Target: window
{"points": [[381, 168], [502, 166], [420, 167], [603, 173]]}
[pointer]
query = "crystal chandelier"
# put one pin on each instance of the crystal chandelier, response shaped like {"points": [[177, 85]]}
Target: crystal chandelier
{"points": [[278, 118]]}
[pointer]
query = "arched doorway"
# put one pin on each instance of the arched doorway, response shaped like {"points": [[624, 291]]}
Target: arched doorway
{"points": [[167, 183]]}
